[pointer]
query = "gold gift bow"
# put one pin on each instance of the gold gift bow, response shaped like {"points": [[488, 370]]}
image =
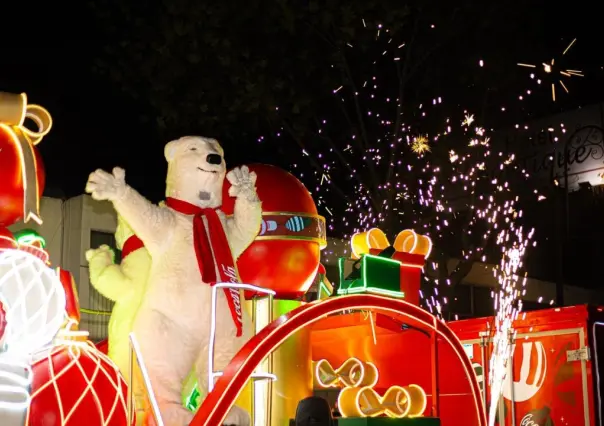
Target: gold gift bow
{"points": [[407, 241], [13, 112]]}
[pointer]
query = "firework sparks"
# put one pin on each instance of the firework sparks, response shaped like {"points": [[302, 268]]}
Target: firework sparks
{"points": [[549, 68], [467, 190], [466, 186], [469, 119], [507, 307], [420, 145]]}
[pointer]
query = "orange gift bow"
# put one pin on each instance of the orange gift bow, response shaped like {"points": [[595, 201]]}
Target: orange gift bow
{"points": [[362, 242], [408, 241], [375, 240]]}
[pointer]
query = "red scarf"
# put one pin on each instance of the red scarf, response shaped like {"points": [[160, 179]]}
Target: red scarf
{"points": [[213, 251], [133, 243]]}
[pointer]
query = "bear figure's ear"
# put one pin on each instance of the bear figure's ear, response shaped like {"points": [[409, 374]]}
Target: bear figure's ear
{"points": [[170, 150]]}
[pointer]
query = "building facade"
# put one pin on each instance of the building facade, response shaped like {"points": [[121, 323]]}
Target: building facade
{"points": [[70, 228]]}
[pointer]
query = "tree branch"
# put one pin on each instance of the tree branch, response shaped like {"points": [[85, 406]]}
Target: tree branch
{"points": [[312, 161]]}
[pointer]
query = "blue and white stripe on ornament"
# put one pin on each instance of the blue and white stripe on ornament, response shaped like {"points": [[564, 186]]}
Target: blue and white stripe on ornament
{"points": [[297, 223], [267, 225]]}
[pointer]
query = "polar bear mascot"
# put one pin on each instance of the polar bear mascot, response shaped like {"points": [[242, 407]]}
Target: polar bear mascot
{"points": [[125, 284], [192, 245]]}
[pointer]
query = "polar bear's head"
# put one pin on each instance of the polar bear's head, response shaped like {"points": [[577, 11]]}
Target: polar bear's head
{"points": [[122, 232], [196, 171]]}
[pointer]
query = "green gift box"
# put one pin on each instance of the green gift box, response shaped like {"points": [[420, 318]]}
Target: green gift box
{"points": [[370, 274]]}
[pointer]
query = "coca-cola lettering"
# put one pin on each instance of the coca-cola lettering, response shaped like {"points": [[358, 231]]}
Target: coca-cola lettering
{"points": [[539, 417], [528, 421], [231, 273], [237, 302]]}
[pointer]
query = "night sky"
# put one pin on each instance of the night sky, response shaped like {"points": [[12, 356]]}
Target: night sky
{"points": [[96, 124]]}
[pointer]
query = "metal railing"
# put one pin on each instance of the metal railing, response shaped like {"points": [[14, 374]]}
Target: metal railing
{"points": [[136, 355], [211, 373]]}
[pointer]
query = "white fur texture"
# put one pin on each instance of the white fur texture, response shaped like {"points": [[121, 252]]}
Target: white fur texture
{"points": [[125, 284], [173, 323]]}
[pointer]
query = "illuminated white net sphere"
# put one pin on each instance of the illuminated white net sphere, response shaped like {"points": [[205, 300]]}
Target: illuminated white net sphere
{"points": [[34, 299]]}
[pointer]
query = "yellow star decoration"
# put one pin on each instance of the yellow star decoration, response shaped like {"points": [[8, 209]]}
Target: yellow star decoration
{"points": [[420, 145]]}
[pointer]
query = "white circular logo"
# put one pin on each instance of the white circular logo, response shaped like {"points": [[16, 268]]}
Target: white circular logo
{"points": [[523, 390]]}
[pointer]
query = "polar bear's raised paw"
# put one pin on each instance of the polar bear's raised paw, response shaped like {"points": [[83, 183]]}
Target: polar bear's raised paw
{"points": [[107, 186], [243, 182], [237, 417]]}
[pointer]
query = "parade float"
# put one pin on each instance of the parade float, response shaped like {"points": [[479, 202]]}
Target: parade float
{"points": [[366, 347]]}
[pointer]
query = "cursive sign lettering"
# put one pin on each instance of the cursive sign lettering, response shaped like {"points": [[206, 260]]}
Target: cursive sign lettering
{"points": [[528, 421], [579, 153], [231, 273]]}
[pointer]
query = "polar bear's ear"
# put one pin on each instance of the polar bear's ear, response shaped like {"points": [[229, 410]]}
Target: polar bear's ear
{"points": [[170, 150]]}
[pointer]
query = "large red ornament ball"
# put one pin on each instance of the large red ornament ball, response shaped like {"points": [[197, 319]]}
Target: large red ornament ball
{"points": [[285, 257], [74, 385], [11, 179]]}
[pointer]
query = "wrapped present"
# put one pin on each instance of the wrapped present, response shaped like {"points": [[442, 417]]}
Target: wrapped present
{"points": [[378, 267]]}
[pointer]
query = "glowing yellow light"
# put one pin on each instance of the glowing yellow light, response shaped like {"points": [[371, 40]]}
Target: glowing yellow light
{"points": [[468, 119], [363, 241], [420, 145], [352, 373], [407, 241], [397, 402]]}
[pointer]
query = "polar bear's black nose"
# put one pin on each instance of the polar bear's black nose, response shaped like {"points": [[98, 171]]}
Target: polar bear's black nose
{"points": [[214, 159]]}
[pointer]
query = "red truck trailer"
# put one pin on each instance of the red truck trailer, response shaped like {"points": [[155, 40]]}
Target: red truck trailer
{"points": [[554, 373]]}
